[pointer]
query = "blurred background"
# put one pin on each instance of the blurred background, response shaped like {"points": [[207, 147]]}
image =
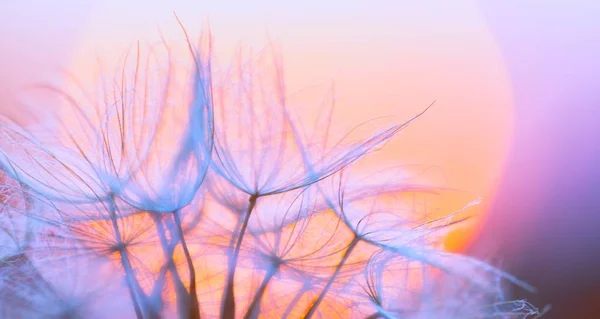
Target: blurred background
{"points": [[545, 220], [516, 119]]}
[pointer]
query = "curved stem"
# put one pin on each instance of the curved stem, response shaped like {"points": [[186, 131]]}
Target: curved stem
{"points": [[126, 263], [294, 302], [254, 308], [228, 295], [131, 283], [313, 308], [376, 315], [181, 293], [195, 305]]}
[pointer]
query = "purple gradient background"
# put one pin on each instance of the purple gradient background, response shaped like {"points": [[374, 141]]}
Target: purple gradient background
{"points": [[546, 218]]}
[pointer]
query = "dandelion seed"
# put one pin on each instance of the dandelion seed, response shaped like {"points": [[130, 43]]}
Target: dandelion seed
{"points": [[178, 189]]}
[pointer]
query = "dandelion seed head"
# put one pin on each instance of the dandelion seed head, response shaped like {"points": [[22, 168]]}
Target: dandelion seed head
{"points": [[176, 187]]}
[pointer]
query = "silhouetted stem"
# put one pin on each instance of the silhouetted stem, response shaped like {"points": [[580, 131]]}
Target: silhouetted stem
{"points": [[254, 308], [313, 308], [181, 294], [376, 315], [195, 305], [28, 225], [381, 314], [130, 283], [292, 304], [126, 263], [229, 297]]}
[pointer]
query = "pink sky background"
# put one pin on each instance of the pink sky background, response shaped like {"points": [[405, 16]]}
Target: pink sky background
{"points": [[517, 117], [392, 60]]}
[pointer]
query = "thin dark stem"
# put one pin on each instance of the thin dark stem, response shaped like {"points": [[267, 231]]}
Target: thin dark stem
{"points": [[376, 315], [381, 314], [181, 294], [125, 262], [313, 308], [229, 297], [254, 308], [292, 304], [195, 305], [28, 205], [128, 272]]}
